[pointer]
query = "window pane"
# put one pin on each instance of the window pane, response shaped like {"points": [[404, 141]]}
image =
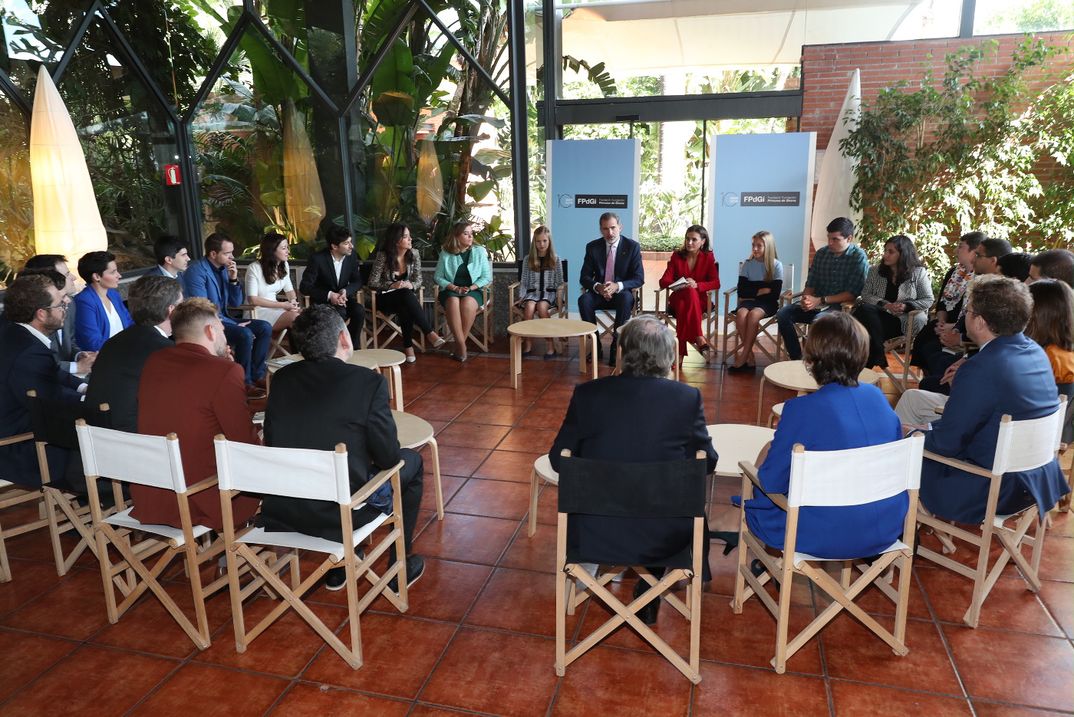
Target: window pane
{"points": [[993, 17], [16, 199], [35, 35]]}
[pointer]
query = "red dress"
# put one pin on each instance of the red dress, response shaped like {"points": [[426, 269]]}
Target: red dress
{"points": [[689, 305]]}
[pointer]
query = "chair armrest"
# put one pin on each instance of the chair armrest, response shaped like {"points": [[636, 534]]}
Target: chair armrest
{"points": [[371, 486], [12, 440], [512, 290], [198, 487], [657, 293], [750, 471], [961, 465]]}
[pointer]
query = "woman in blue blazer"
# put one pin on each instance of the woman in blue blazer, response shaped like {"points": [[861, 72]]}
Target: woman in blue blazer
{"points": [[841, 414], [101, 313], [462, 271]]}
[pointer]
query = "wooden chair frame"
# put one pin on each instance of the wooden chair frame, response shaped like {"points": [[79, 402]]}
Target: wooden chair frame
{"points": [[381, 324], [240, 554], [765, 328], [661, 298], [483, 319], [783, 569], [192, 543], [900, 347], [575, 585], [12, 495], [1010, 538]]}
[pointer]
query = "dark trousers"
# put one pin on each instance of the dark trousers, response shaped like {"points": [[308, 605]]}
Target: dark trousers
{"points": [[621, 303], [881, 326], [411, 483], [926, 345], [405, 305], [786, 318], [250, 344], [935, 368]]}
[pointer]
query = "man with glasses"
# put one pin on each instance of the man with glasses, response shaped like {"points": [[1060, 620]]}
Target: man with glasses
{"points": [[333, 276], [71, 357], [35, 309]]}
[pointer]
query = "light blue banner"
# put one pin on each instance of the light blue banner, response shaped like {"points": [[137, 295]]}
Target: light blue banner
{"points": [[585, 179], [761, 182]]}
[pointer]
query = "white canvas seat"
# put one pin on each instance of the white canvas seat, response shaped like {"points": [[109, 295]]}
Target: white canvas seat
{"points": [[833, 478], [311, 475], [1020, 446]]}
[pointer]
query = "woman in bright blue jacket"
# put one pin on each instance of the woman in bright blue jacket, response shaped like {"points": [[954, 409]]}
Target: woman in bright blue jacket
{"points": [[462, 271], [842, 414], [101, 313]]}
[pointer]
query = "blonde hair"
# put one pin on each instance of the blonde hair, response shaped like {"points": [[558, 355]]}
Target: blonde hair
{"points": [[191, 316], [769, 252], [451, 245], [534, 260]]}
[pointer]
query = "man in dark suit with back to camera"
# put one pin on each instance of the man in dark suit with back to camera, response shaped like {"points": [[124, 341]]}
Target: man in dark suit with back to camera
{"points": [[640, 416], [322, 401], [72, 358], [34, 308], [333, 277], [120, 362], [611, 269]]}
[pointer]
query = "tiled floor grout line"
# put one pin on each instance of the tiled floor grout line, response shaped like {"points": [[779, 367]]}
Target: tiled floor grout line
{"points": [[938, 626]]}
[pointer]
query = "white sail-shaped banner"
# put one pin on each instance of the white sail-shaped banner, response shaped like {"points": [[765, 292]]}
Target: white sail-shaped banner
{"points": [[837, 171]]}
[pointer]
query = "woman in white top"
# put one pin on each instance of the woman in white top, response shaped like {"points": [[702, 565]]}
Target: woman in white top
{"points": [[266, 278]]}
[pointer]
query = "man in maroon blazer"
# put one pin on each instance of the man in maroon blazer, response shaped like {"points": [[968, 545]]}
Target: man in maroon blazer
{"points": [[194, 391]]}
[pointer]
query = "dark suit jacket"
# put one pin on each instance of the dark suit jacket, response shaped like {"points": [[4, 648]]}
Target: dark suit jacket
{"points": [[320, 277], [203, 279], [118, 370], [91, 320], [317, 404], [628, 268], [632, 419], [67, 349], [26, 363], [832, 419], [1009, 375], [187, 391]]}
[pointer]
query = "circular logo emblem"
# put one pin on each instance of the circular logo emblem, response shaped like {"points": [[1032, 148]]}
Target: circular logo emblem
{"points": [[729, 199], [566, 200]]}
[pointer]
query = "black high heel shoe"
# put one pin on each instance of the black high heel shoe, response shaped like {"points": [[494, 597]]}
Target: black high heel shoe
{"points": [[730, 540]]}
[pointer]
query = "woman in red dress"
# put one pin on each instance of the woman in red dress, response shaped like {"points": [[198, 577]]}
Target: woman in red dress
{"points": [[695, 265]]}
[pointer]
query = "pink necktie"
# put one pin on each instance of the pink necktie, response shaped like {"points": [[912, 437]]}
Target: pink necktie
{"points": [[609, 266]]}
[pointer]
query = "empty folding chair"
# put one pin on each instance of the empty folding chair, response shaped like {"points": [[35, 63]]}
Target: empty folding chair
{"points": [[15, 496]]}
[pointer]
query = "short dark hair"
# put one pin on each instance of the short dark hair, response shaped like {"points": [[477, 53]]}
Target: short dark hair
{"points": [[316, 331], [191, 316], [1052, 322], [841, 225], [95, 262], [836, 349], [1015, 265], [44, 261], [609, 215], [973, 239], [1056, 264], [995, 248], [1003, 303], [58, 280], [215, 242], [150, 297], [25, 295], [166, 247], [336, 235]]}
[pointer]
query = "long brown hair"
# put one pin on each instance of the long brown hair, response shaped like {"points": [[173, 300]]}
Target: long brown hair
{"points": [[548, 261], [272, 269], [390, 246], [1052, 320], [697, 229], [451, 245]]}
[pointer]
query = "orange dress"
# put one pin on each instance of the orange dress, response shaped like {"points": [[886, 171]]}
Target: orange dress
{"points": [[689, 305]]}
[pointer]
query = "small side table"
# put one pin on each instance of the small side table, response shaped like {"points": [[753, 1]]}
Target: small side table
{"points": [[415, 432], [381, 360]]}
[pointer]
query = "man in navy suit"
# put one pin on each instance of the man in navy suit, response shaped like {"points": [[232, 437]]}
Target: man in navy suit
{"points": [[172, 257], [1009, 375], [70, 356], [640, 416], [611, 269], [216, 278], [333, 277], [34, 308]]}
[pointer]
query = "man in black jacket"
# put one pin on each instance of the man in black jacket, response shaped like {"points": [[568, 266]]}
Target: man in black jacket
{"points": [[119, 364], [322, 401], [333, 277]]}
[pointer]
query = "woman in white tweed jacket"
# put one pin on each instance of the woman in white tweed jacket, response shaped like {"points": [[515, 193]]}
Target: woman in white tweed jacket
{"points": [[894, 288]]}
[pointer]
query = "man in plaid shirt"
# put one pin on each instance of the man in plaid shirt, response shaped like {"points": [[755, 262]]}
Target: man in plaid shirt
{"points": [[836, 275]]}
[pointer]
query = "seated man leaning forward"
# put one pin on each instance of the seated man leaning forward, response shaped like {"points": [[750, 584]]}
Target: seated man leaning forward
{"points": [[641, 416], [837, 274], [842, 414], [322, 401], [193, 390], [1010, 374]]}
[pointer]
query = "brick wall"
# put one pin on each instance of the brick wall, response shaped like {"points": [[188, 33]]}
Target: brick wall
{"points": [[826, 70]]}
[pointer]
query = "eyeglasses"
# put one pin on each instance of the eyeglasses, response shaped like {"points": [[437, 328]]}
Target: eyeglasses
{"points": [[62, 307]]}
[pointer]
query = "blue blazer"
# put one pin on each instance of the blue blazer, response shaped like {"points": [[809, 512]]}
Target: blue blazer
{"points": [[202, 279], [91, 321], [834, 418], [628, 267], [1010, 375]]}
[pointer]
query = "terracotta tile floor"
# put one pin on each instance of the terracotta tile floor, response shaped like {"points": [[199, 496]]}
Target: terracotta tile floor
{"points": [[478, 635]]}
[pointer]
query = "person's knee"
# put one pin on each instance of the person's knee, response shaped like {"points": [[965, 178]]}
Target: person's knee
{"points": [[243, 338]]}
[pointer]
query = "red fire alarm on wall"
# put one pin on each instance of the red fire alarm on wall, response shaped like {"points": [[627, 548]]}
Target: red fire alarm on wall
{"points": [[172, 177]]}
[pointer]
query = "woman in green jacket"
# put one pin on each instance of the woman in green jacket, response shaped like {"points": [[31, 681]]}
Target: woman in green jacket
{"points": [[462, 271]]}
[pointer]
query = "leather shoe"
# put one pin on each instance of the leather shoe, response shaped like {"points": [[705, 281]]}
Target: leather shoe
{"points": [[612, 350], [649, 613], [255, 392]]}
